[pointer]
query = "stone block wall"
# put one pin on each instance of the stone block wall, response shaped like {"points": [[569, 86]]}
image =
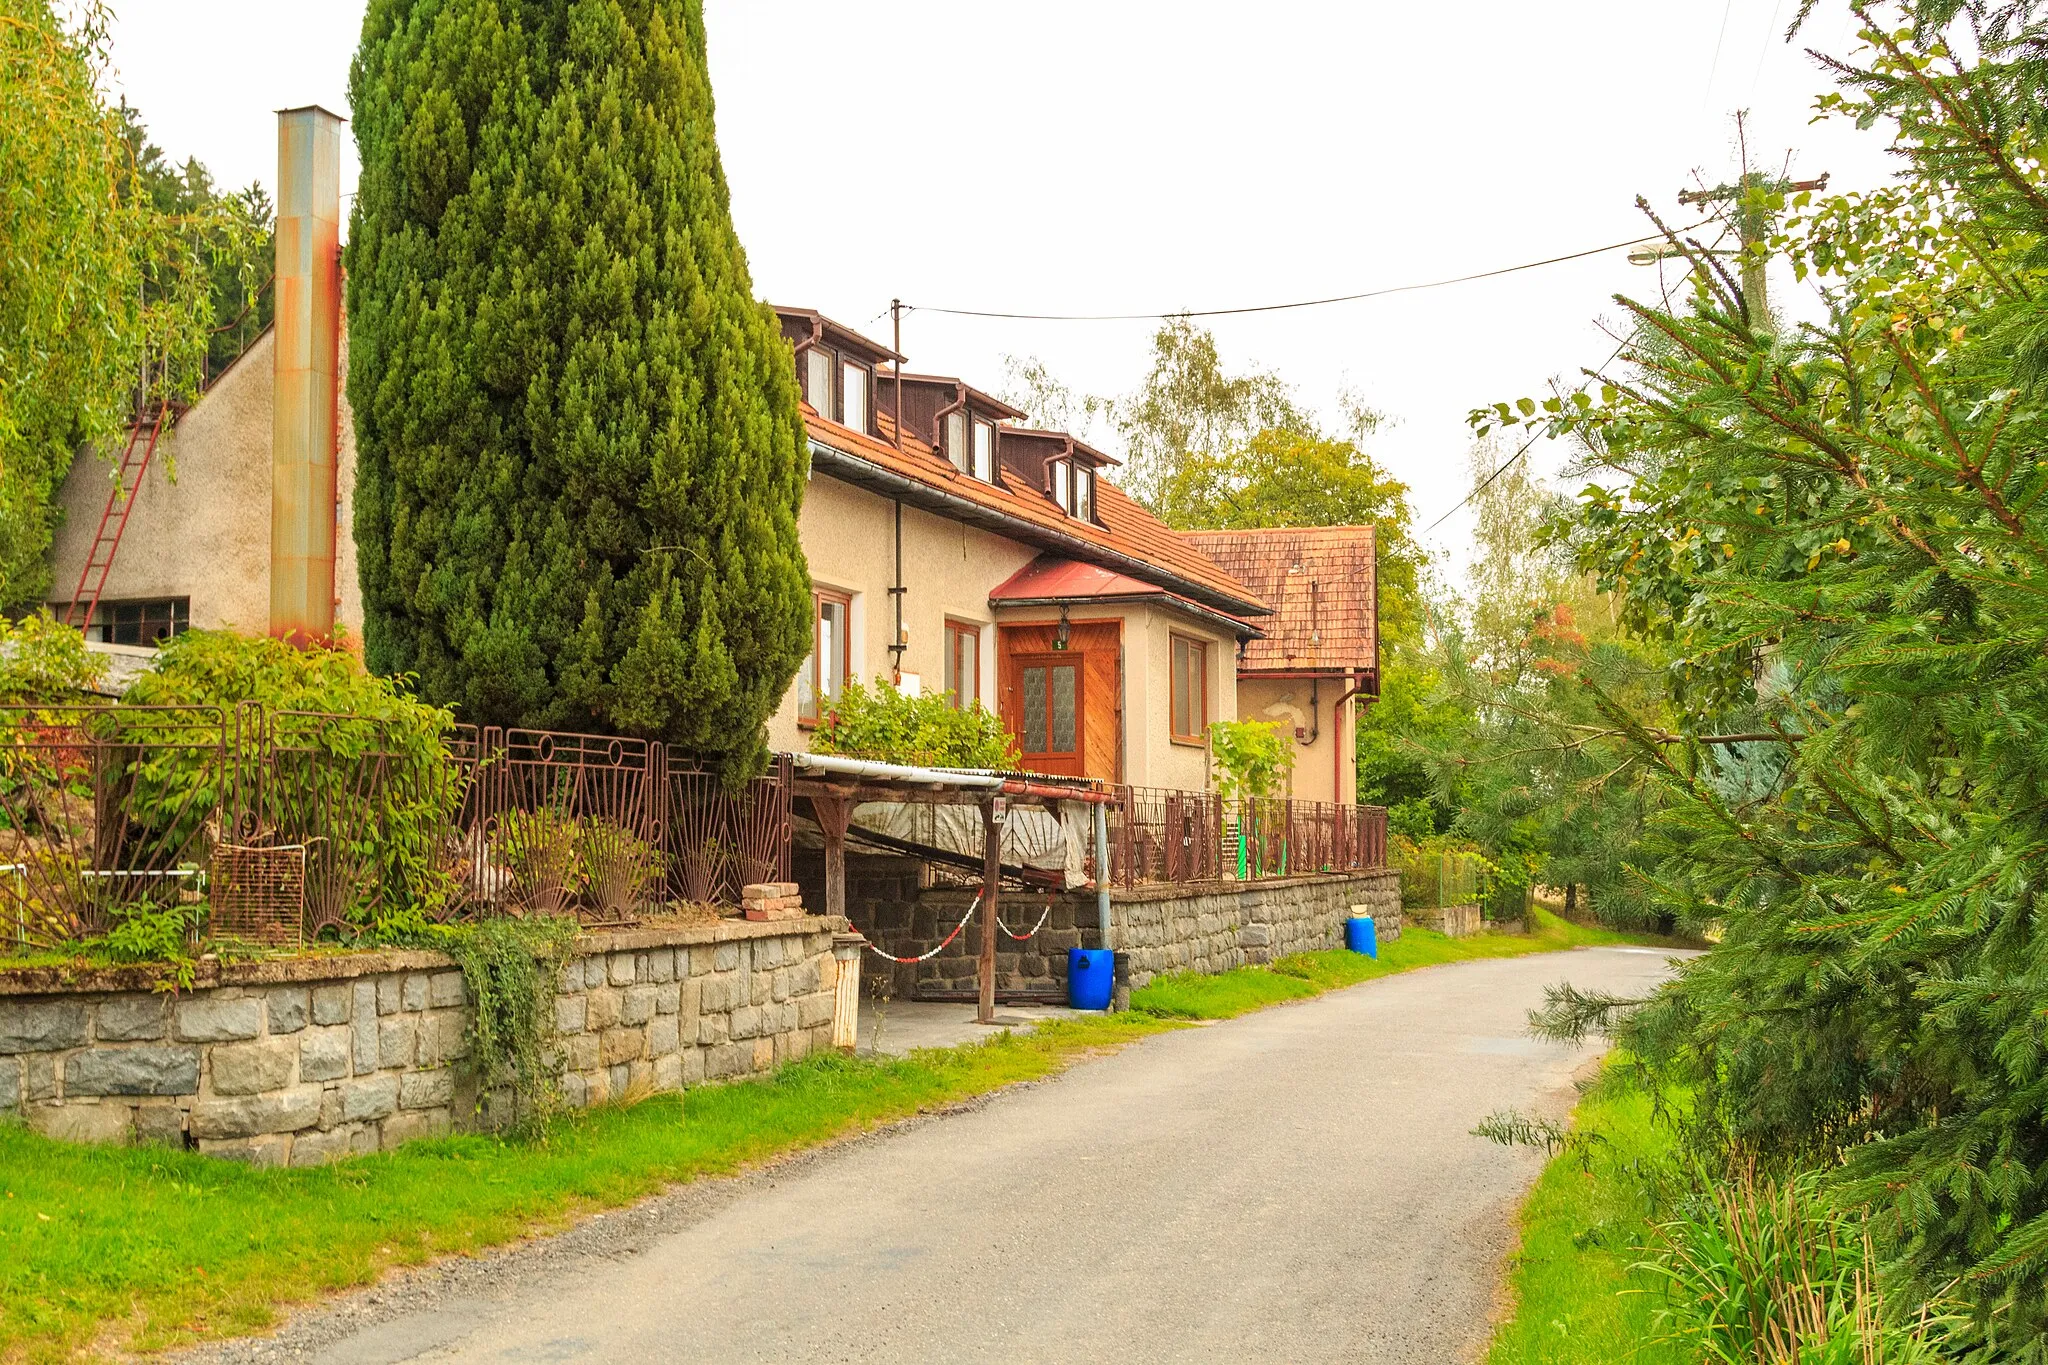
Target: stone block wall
{"points": [[1215, 926], [1457, 921], [1193, 927], [305, 1059]]}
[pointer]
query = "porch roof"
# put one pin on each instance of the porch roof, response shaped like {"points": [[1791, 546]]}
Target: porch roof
{"points": [[1052, 581]]}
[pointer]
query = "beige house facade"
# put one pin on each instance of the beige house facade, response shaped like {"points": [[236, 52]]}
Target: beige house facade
{"points": [[966, 554]]}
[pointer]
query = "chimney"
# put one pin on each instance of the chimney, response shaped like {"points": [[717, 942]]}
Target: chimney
{"points": [[305, 413]]}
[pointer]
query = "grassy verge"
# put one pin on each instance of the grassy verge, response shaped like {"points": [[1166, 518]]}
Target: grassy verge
{"points": [[1575, 1301], [1188, 995], [113, 1249]]}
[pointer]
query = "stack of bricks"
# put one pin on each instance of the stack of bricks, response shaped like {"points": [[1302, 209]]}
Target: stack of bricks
{"points": [[772, 900]]}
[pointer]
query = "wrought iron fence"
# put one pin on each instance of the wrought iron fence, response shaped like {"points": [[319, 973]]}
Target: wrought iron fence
{"points": [[1159, 835], [286, 825]]}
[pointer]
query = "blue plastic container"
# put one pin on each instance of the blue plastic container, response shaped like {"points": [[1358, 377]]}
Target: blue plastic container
{"points": [[1091, 977], [1362, 936]]}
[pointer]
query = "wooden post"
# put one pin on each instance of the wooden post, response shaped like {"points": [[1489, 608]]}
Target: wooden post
{"points": [[991, 877], [832, 814], [846, 991]]}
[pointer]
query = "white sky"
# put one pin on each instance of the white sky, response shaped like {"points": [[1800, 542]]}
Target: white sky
{"points": [[1088, 156]]}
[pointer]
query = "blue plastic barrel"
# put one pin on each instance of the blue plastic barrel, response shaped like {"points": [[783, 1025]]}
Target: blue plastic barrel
{"points": [[1091, 976], [1361, 936]]}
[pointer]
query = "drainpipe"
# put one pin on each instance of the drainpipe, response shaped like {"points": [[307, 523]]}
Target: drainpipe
{"points": [[305, 411], [896, 591], [1102, 872], [1337, 749]]}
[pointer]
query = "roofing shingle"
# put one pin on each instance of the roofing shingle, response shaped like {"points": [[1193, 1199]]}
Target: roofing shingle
{"points": [[1319, 582]]}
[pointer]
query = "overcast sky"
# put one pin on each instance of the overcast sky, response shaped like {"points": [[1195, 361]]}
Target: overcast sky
{"points": [[1110, 156]]}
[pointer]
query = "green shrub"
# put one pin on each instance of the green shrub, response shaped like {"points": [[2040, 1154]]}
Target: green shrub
{"points": [[1253, 757], [42, 660], [927, 730], [354, 765]]}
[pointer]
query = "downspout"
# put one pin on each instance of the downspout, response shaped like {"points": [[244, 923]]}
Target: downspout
{"points": [[896, 643], [1102, 872], [1337, 750]]}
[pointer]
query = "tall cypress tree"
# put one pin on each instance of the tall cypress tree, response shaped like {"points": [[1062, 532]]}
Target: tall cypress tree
{"points": [[579, 455]]}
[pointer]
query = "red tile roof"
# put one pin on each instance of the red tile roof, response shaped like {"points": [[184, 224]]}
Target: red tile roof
{"points": [[1129, 540], [1319, 581]]}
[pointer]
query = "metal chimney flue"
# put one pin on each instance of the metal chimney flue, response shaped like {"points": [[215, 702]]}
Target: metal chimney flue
{"points": [[305, 413]]}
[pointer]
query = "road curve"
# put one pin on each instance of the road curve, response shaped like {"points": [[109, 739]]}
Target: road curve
{"points": [[1296, 1185]]}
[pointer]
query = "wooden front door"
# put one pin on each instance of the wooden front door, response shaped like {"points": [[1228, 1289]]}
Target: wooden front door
{"points": [[1047, 711]]}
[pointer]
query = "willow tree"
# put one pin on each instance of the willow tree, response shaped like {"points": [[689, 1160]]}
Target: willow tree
{"points": [[105, 300], [579, 455]]}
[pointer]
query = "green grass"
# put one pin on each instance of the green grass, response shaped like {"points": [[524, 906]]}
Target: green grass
{"points": [[1575, 1301], [107, 1249], [1190, 995], [138, 1248]]}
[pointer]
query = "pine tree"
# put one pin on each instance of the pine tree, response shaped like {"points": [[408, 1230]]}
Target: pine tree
{"points": [[579, 455], [1840, 529]]}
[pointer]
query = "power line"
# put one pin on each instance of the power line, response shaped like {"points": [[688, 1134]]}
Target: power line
{"points": [[1719, 39], [1504, 466], [1283, 307]]}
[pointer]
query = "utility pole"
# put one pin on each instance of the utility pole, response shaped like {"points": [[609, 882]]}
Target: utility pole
{"points": [[896, 345], [1751, 221]]}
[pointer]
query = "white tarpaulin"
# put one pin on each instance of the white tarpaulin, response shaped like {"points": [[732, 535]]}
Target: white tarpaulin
{"points": [[1032, 835]]}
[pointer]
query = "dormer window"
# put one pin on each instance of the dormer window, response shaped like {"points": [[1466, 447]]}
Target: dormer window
{"points": [[957, 453], [849, 401], [1072, 485], [854, 386], [985, 451], [818, 381]]}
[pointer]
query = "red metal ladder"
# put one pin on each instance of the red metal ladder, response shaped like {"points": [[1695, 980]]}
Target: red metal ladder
{"points": [[99, 563]]}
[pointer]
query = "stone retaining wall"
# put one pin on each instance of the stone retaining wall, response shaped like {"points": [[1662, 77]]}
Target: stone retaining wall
{"points": [[305, 1059], [1457, 921], [1199, 927]]}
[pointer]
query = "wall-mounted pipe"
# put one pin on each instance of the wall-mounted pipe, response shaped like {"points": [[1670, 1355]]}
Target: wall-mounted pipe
{"points": [[1102, 873], [305, 407]]}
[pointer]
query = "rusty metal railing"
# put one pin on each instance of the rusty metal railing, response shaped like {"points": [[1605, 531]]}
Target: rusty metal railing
{"points": [[1159, 835], [278, 826]]}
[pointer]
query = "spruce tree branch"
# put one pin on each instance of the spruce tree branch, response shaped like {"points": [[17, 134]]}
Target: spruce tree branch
{"points": [[1987, 146], [1972, 473]]}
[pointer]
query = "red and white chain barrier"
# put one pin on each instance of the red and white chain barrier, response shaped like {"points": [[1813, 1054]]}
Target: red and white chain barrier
{"points": [[1033, 930], [927, 956]]}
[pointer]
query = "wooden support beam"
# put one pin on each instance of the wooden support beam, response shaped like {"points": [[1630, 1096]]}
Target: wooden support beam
{"points": [[991, 878], [832, 814]]}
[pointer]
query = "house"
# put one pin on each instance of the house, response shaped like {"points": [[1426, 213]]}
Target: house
{"points": [[1318, 651], [952, 546]]}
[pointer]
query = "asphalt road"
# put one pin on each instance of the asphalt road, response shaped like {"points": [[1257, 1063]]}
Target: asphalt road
{"points": [[1296, 1185]]}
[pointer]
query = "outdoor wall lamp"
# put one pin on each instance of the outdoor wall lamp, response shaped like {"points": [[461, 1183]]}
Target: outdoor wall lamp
{"points": [[1064, 632]]}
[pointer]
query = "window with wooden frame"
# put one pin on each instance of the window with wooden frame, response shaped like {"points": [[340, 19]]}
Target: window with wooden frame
{"points": [[957, 453], [963, 664], [856, 387], [1072, 485], [824, 674], [1190, 708], [984, 451], [818, 368]]}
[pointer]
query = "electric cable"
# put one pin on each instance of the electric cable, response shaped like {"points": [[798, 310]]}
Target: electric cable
{"points": [[1302, 303]]}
